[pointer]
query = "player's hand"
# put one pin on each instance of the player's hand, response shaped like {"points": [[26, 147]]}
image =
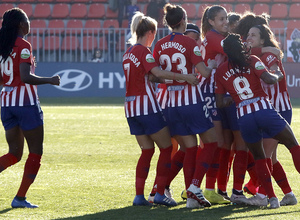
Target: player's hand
{"points": [[192, 79], [227, 101], [55, 80], [212, 64]]}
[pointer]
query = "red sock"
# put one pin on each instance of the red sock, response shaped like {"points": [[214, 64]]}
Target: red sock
{"points": [[223, 169], [189, 165], [261, 189], [251, 169], [142, 169], [176, 165], [203, 162], [198, 151], [31, 169], [280, 178], [264, 176], [295, 151], [163, 168], [212, 172], [7, 160], [239, 169], [174, 147]]}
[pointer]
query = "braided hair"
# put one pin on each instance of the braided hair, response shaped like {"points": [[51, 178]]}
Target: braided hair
{"points": [[9, 30], [238, 55]]}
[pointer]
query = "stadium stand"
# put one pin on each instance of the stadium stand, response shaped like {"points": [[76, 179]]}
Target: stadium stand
{"points": [[90, 43], [201, 10], [261, 8], [91, 19], [111, 14], [27, 1], [27, 8], [56, 26], [91, 26], [96, 10], [42, 11], [78, 11], [291, 25], [228, 7], [190, 10], [110, 23], [52, 42], [70, 43], [277, 26], [38, 26], [36, 42], [295, 11], [241, 8], [74, 27], [279, 11], [4, 7], [60, 10]]}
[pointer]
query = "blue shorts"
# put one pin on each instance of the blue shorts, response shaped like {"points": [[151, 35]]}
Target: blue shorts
{"points": [[254, 124], [189, 120], [146, 124], [211, 106], [26, 117], [229, 118], [287, 115]]}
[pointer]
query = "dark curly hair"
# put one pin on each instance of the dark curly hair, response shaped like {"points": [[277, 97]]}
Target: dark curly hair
{"points": [[238, 55], [249, 20], [9, 30]]}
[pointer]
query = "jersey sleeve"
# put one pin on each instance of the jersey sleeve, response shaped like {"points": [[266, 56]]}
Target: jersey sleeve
{"points": [[219, 88], [258, 66], [196, 56], [25, 52], [269, 59], [148, 61]]}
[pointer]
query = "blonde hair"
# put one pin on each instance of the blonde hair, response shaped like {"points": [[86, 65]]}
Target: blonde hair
{"points": [[140, 25]]}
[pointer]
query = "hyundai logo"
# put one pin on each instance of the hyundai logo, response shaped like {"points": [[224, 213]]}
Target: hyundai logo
{"points": [[73, 80]]}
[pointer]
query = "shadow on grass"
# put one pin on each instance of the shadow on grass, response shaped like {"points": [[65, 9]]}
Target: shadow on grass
{"points": [[163, 213], [5, 210]]}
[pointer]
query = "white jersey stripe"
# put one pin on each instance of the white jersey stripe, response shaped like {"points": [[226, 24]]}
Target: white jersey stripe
{"points": [[21, 96], [179, 98], [14, 97], [7, 99], [145, 105], [138, 105], [29, 93]]}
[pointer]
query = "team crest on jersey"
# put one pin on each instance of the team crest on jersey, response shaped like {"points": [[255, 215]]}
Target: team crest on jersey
{"points": [[197, 51], [259, 65], [150, 58], [222, 43], [25, 53]]}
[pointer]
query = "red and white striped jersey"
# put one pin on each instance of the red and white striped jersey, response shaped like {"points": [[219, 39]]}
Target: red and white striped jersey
{"points": [[277, 92], [140, 97], [15, 92], [179, 54], [245, 88], [211, 48], [162, 95]]}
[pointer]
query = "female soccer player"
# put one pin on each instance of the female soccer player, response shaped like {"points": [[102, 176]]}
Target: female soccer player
{"points": [[240, 76], [187, 112], [177, 156], [214, 30], [21, 113], [261, 36], [142, 110]]}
